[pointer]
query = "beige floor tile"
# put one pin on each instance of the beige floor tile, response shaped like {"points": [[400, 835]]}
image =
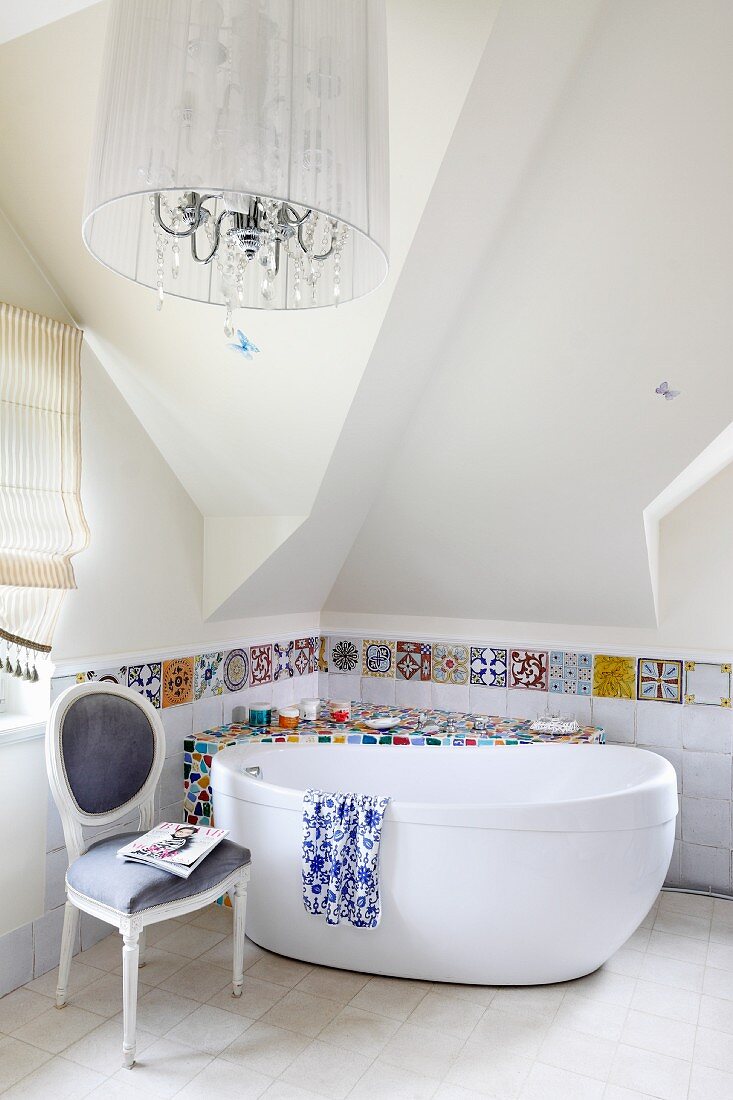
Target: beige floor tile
{"points": [[663, 1000], [198, 980], [591, 1017], [281, 1090], [447, 1015], [567, 1049], [723, 909], [159, 965], [695, 905], [257, 998], [383, 1081], [714, 1049], [18, 1059], [534, 1001], [663, 1036], [57, 1079], [602, 985], [672, 972], [716, 1013], [683, 948], [209, 1029], [325, 1070], [302, 1012], [478, 994], [710, 1084], [496, 1030], [278, 970], [657, 1074], [222, 1079], [503, 1075], [101, 1049], [365, 1032], [639, 939], [626, 960], [336, 985], [189, 940], [105, 955], [222, 954], [266, 1049], [21, 1006], [159, 1010], [79, 976], [421, 1050], [105, 995], [164, 1068], [391, 997], [552, 1083], [217, 918], [56, 1029], [455, 1092], [617, 1092], [718, 983], [683, 924], [721, 933], [720, 956]]}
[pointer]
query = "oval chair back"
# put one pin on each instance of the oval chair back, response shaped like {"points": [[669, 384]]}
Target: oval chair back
{"points": [[105, 747]]}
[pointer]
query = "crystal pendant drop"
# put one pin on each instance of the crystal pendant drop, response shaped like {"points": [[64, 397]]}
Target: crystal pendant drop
{"points": [[159, 299], [229, 323], [176, 260]]}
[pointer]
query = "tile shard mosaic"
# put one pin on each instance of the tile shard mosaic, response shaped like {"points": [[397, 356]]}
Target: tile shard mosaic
{"points": [[528, 668], [200, 748], [614, 677], [707, 684], [660, 680]]}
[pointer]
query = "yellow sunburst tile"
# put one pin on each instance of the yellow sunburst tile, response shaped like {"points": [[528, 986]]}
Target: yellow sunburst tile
{"points": [[614, 677]]}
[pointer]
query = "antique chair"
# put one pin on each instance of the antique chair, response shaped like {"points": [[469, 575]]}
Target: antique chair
{"points": [[105, 747]]}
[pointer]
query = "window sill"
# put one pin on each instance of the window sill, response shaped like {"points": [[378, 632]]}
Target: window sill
{"points": [[20, 727]]}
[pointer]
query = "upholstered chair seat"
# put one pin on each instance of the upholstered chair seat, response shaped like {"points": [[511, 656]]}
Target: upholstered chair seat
{"points": [[105, 748]]}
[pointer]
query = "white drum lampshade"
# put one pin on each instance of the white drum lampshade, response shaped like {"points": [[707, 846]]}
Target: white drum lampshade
{"points": [[256, 130]]}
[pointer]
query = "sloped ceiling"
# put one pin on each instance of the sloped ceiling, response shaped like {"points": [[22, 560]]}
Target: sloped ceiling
{"points": [[481, 437]]}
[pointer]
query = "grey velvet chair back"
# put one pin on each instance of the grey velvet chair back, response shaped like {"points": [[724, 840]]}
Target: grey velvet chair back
{"points": [[105, 748]]}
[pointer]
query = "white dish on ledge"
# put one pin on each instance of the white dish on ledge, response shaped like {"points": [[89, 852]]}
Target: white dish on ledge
{"points": [[386, 723]]}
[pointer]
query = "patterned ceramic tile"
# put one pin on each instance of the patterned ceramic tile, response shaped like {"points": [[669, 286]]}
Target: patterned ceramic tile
{"points": [[660, 680], [378, 657], [528, 669], [707, 684], [488, 666], [107, 675], [147, 680], [344, 655], [208, 677], [322, 664], [413, 661], [235, 669], [450, 663], [178, 681], [260, 664], [571, 673], [304, 656], [614, 677], [282, 660]]}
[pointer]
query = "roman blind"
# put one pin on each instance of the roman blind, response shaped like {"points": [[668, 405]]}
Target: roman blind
{"points": [[42, 523]]}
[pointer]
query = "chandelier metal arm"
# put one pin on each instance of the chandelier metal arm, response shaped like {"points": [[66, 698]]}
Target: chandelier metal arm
{"points": [[215, 244], [303, 245], [196, 218]]}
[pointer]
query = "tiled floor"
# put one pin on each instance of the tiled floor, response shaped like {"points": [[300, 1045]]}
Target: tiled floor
{"points": [[656, 1021]]}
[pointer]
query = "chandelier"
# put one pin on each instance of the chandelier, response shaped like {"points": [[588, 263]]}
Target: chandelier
{"points": [[241, 151]]}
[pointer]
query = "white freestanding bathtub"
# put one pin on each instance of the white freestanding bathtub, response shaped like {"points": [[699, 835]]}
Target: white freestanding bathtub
{"points": [[498, 866]]}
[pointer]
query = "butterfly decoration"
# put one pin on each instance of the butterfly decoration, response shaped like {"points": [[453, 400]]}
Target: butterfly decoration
{"points": [[243, 345], [664, 391]]}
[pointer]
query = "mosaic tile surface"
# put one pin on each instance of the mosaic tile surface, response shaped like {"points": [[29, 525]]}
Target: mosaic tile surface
{"points": [[660, 680], [488, 666], [147, 679], [106, 675], [413, 661], [208, 675], [304, 660], [177, 681], [614, 677], [282, 661], [450, 663], [260, 664], [707, 684], [235, 669], [571, 673], [200, 749], [528, 669], [344, 656], [378, 657]]}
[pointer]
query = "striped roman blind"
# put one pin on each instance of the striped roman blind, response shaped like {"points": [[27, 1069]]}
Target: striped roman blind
{"points": [[42, 523]]}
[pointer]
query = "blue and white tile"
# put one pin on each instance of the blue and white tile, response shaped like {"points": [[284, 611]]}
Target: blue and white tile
{"points": [[208, 678], [146, 679], [488, 666], [283, 655], [571, 673]]}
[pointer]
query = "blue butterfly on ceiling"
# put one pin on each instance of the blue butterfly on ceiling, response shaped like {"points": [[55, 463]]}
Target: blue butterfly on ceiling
{"points": [[664, 391], [243, 345]]}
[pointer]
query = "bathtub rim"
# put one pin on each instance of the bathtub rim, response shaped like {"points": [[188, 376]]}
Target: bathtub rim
{"points": [[654, 801]]}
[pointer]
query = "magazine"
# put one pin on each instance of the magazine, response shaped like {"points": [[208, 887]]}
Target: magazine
{"points": [[173, 847]]}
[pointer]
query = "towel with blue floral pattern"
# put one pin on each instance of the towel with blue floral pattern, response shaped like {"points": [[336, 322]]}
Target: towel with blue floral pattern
{"points": [[341, 837]]}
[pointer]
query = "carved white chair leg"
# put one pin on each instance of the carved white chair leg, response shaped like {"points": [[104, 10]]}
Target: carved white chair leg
{"points": [[239, 903], [130, 955], [142, 947], [71, 923]]}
